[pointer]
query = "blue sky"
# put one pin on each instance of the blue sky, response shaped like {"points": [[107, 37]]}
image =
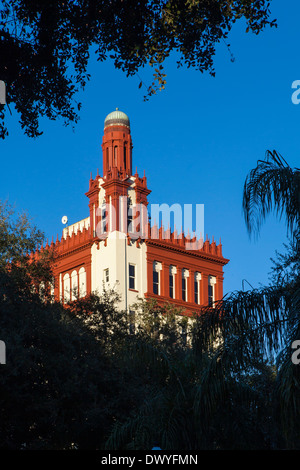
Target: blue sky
{"points": [[196, 141]]}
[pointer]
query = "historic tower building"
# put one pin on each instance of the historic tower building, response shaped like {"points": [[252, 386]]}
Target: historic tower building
{"points": [[115, 246]]}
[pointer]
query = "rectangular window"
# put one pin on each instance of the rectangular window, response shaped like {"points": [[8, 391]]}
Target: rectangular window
{"points": [[129, 218], [131, 276], [183, 288], [103, 219], [171, 286], [124, 157], [210, 294], [106, 275], [196, 286], [155, 282]]}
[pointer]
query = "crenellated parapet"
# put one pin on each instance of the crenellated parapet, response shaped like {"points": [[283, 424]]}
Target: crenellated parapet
{"points": [[184, 243], [117, 244], [76, 240]]}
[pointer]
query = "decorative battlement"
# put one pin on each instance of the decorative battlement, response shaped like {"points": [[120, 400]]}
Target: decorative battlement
{"points": [[68, 242], [120, 244], [185, 242], [78, 226], [73, 241], [79, 234], [81, 237]]}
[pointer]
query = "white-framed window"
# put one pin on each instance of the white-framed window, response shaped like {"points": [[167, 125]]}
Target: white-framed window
{"points": [[132, 274], [82, 282], [104, 217], [185, 275], [211, 289], [157, 267], [130, 213], [172, 272], [106, 275], [197, 279], [74, 285], [66, 282], [52, 283]]}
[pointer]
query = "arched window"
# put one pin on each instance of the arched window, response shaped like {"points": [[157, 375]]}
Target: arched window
{"points": [[103, 217], [42, 290], [82, 282], [74, 285], [197, 279], [211, 289], [157, 267], [52, 282], [172, 272], [124, 156], [66, 283], [185, 275], [129, 215], [107, 160], [60, 288], [115, 156]]}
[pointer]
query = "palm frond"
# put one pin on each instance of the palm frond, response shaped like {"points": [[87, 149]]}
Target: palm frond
{"points": [[256, 318], [272, 186]]}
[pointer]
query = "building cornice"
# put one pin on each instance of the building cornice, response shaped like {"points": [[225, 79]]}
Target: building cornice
{"points": [[182, 250]]}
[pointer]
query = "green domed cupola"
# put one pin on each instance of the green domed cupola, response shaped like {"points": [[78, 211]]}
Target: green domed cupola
{"points": [[115, 118]]}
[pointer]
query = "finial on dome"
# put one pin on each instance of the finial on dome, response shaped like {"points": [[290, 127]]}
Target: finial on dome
{"points": [[117, 117]]}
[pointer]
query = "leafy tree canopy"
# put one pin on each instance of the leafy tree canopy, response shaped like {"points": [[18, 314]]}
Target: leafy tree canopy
{"points": [[19, 272], [77, 376], [18, 236], [45, 45]]}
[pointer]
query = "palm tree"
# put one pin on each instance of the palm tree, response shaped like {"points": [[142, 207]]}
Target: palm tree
{"points": [[263, 324], [236, 386], [272, 186]]}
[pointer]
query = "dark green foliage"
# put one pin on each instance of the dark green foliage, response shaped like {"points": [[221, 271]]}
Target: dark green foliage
{"points": [[60, 387], [45, 45], [234, 386], [56, 383], [196, 398], [18, 237], [21, 274], [77, 377], [272, 186]]}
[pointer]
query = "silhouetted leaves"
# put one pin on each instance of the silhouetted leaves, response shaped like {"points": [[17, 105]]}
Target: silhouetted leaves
{"points": [[45, 46]]}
